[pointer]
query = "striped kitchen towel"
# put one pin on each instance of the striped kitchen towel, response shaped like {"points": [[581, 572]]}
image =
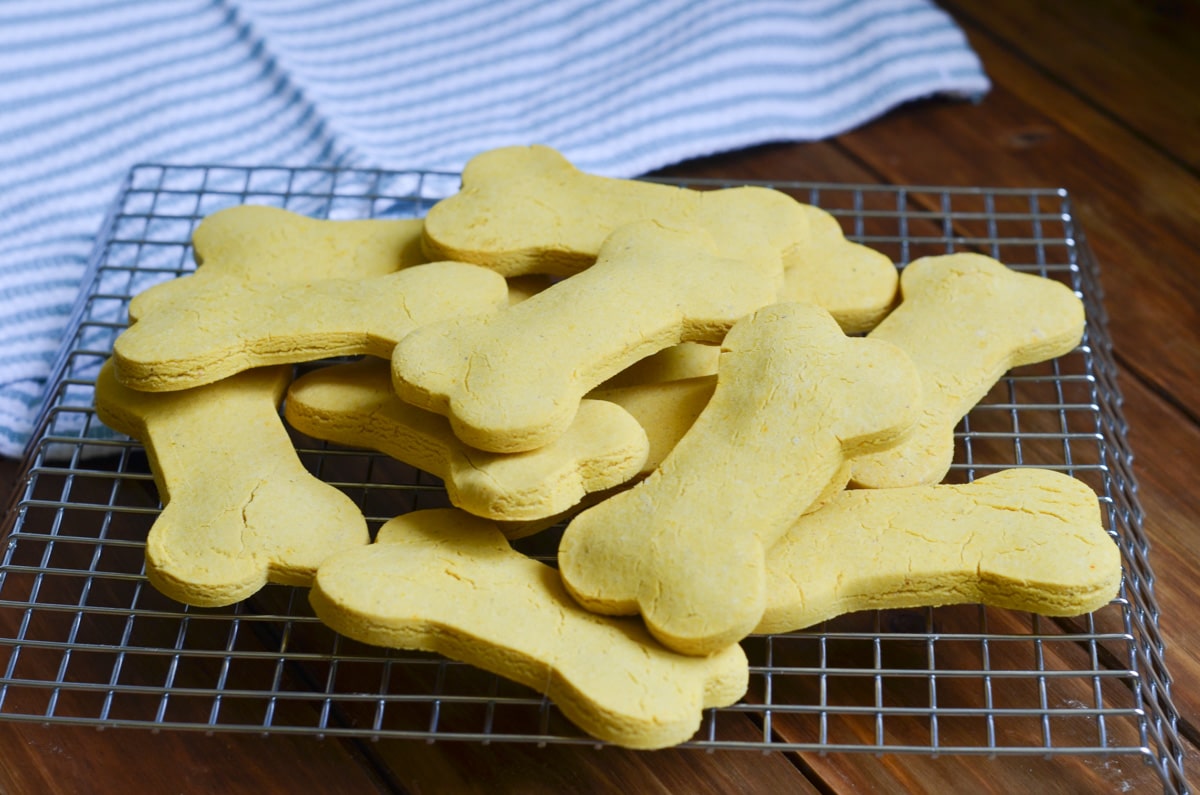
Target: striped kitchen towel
{"points": [[621, 87]]}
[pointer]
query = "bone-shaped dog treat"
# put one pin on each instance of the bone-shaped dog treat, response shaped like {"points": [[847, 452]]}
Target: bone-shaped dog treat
{"points": [[965, 320], [274, 246], [239, 507], [445, 581], [1026, 539], [354, 404], [225, 326], [668, 409], [511, 380], [854, 283], [665, 409], [795, 398], [525, 209]]}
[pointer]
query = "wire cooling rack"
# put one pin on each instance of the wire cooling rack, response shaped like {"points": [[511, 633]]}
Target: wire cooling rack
{"points": [[85, 639]]}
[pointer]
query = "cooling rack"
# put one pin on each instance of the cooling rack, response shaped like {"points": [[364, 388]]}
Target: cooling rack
{"points": [[85, 639]]}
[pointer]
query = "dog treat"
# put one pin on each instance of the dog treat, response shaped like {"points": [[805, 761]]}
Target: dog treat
{"points": [[795, 398], [273, 246], [665, 409], [854, 283], [965, 320], [668, 409], [511, 380], [226, 326], [353, 404], [1026, 539], [447, 582], [676, 363], [517, 529], [527, 209], [239, 508]]}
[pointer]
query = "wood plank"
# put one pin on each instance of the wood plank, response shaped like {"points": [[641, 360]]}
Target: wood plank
{"points": [[1137, 62], [521, 768], [66, 760], [1040, 123]]}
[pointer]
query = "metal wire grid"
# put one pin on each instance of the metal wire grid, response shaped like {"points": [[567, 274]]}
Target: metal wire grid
{"points": [[87, 641]]}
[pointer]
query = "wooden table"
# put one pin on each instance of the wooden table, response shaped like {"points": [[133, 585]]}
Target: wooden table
{"points": [[1101, 98]]}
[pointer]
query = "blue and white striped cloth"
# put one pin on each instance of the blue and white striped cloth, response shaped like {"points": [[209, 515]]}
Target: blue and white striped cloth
{"points": [[90, 87]]}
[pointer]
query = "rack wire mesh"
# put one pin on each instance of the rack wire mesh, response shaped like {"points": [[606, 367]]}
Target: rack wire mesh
{"points": [[85, 639]]}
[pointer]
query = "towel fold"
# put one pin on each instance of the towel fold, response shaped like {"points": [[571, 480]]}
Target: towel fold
{"points": [[621, 87]]}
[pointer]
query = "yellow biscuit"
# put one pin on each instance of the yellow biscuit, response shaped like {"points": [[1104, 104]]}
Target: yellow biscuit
{"points": [[274, 246], [225, 326], [668, 409], [448, 582], [524, 209], [965, 320], [511, 380], [665, 409], [855, 283], [239, 507], [518, 529], [676, 363], [795, 398], [354, 404], [1026, 539]]}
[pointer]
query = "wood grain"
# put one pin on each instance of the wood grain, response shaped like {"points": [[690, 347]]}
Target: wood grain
{"points": [[1135, 62]]}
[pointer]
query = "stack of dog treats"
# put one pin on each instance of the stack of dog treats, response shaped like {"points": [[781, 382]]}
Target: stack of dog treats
{"points": [[743, 420]]}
